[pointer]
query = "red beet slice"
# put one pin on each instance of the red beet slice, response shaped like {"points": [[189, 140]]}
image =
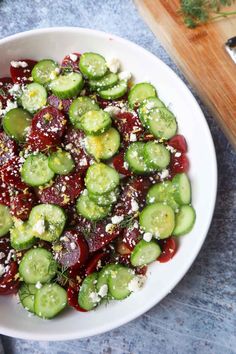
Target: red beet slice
{"points": [[50, 121], [5, 193], [131, 236], [8, 148], [5, 84], [71, 62], [122, 248], [10, 174], [129, 126], [94, 263], [8, 282], [169, 248], [178, 164], [22, 204], [22, 74], [39, 141], [99, 238], [119, 164], [178, 142], [74, 249], [74, 143], [62, 105], [64, 190]]}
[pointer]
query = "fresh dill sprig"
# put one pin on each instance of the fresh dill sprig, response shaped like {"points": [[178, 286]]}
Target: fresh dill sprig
{"points": [[197, 12], [128, 221]]}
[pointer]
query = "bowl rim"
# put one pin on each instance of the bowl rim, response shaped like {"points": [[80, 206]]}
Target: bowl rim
{"points": [[127, 318]]}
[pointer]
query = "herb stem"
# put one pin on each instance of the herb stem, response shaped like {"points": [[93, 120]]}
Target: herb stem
{"points": [[223, 14]]}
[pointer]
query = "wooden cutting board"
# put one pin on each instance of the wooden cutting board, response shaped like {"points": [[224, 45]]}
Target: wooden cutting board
{"points": [[201, 56]]}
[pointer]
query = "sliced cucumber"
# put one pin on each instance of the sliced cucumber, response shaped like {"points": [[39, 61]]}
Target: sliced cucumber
{"points": [[103, 146], [105, 199], [147, 105], [47, 221], [22, 237], [90, 210], [134, 156], [26, 294], [185, 220], [61, 162], [162, 193], [92, 65], [34, 97], [158, 219], [118, 282], [140, 92], [44, 71], [145, 253], [36, 171], [68, 85], [49, 301], [162, 123], [107, 81], [37, 265], [103, 277], [114, 92], [156, 155], [79, 107], [101, 179], [95, 122], [182, 188], [5, 220], [16, 123], [87, 290]]}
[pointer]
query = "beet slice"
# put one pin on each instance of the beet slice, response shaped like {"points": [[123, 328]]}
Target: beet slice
{"points": [[49, 121], [63, 191], [71, 62], [169, 248], [22, 74], [178, 142], [129, 126], [10, 174], [72, 296], [99, 237], [6, 84], [21, 205], [131, 236], [62, 105], [8, 148], [178, 164], [74, 250], [93, 264], [8, 283], [39, 141], [119, 164]]}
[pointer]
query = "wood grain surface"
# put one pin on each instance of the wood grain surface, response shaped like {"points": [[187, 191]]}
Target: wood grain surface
{"points": [[201, 55]]}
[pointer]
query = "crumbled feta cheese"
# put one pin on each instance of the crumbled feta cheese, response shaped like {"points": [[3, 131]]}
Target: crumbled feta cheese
{"points": [[117, 219], [177, 154], [73, 57], [126, 165], [73, 245], [152, 200], [113, 64], [135, 226], [170, 148], [147, 236], [14, 89], [124, 75], [38, 285], [19, 64], [103, 290], [2, 269], [39, 227], [10, 105], [133, 137], [112, 110], [94, 297], [164, 174], [2, 255], [136, 283], [109, 228], [134, 205], [57, 70], [63, 189], [83, 162]]}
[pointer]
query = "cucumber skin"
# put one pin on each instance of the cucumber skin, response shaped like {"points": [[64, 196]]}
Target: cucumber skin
{"points": [[86, 72], [84, 291], [20, 245], [24, 293], [101, 214], [138, 249], [5, 230], [111, 283], [136, 87], [177, 193], [141, 171], [113, 95], [151, 164], [186, 230]]}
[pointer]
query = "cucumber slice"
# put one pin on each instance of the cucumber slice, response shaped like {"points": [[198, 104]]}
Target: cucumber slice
{"points": [[68, 85], [87, 290], [26, 294], [162, 193], [134, 156], [101, 179], [103, 146], [158, 219], [147, 105], [22, 237], [47, 221], [114, 92], [185, 220], [61, 162], [37, 265], [107, 81], [5, 220], [36, 171], [118, 282], [105, 199], [140, 92], [49, 301], [79, 107], [90, 210], [103, 277], [92, 65], [156, 155], [95, 122], [145, 253], [182, 187], [44, 71], [34, 97], [162, 123], [16, 123]]}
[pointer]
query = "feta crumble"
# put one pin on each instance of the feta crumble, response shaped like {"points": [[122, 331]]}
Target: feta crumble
{"points": [[112, 110], [117, 219], [113, 64], [164, 174], [147, 236], [39, 227], [19, 64], [124, 75], [133, 137], [136, 283], [73, 57], [38, 285], [94, 297], [134, 205], [103, 290]]}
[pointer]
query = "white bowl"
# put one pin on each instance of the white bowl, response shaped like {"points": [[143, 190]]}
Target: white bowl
{"points": [[162, 278]]}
